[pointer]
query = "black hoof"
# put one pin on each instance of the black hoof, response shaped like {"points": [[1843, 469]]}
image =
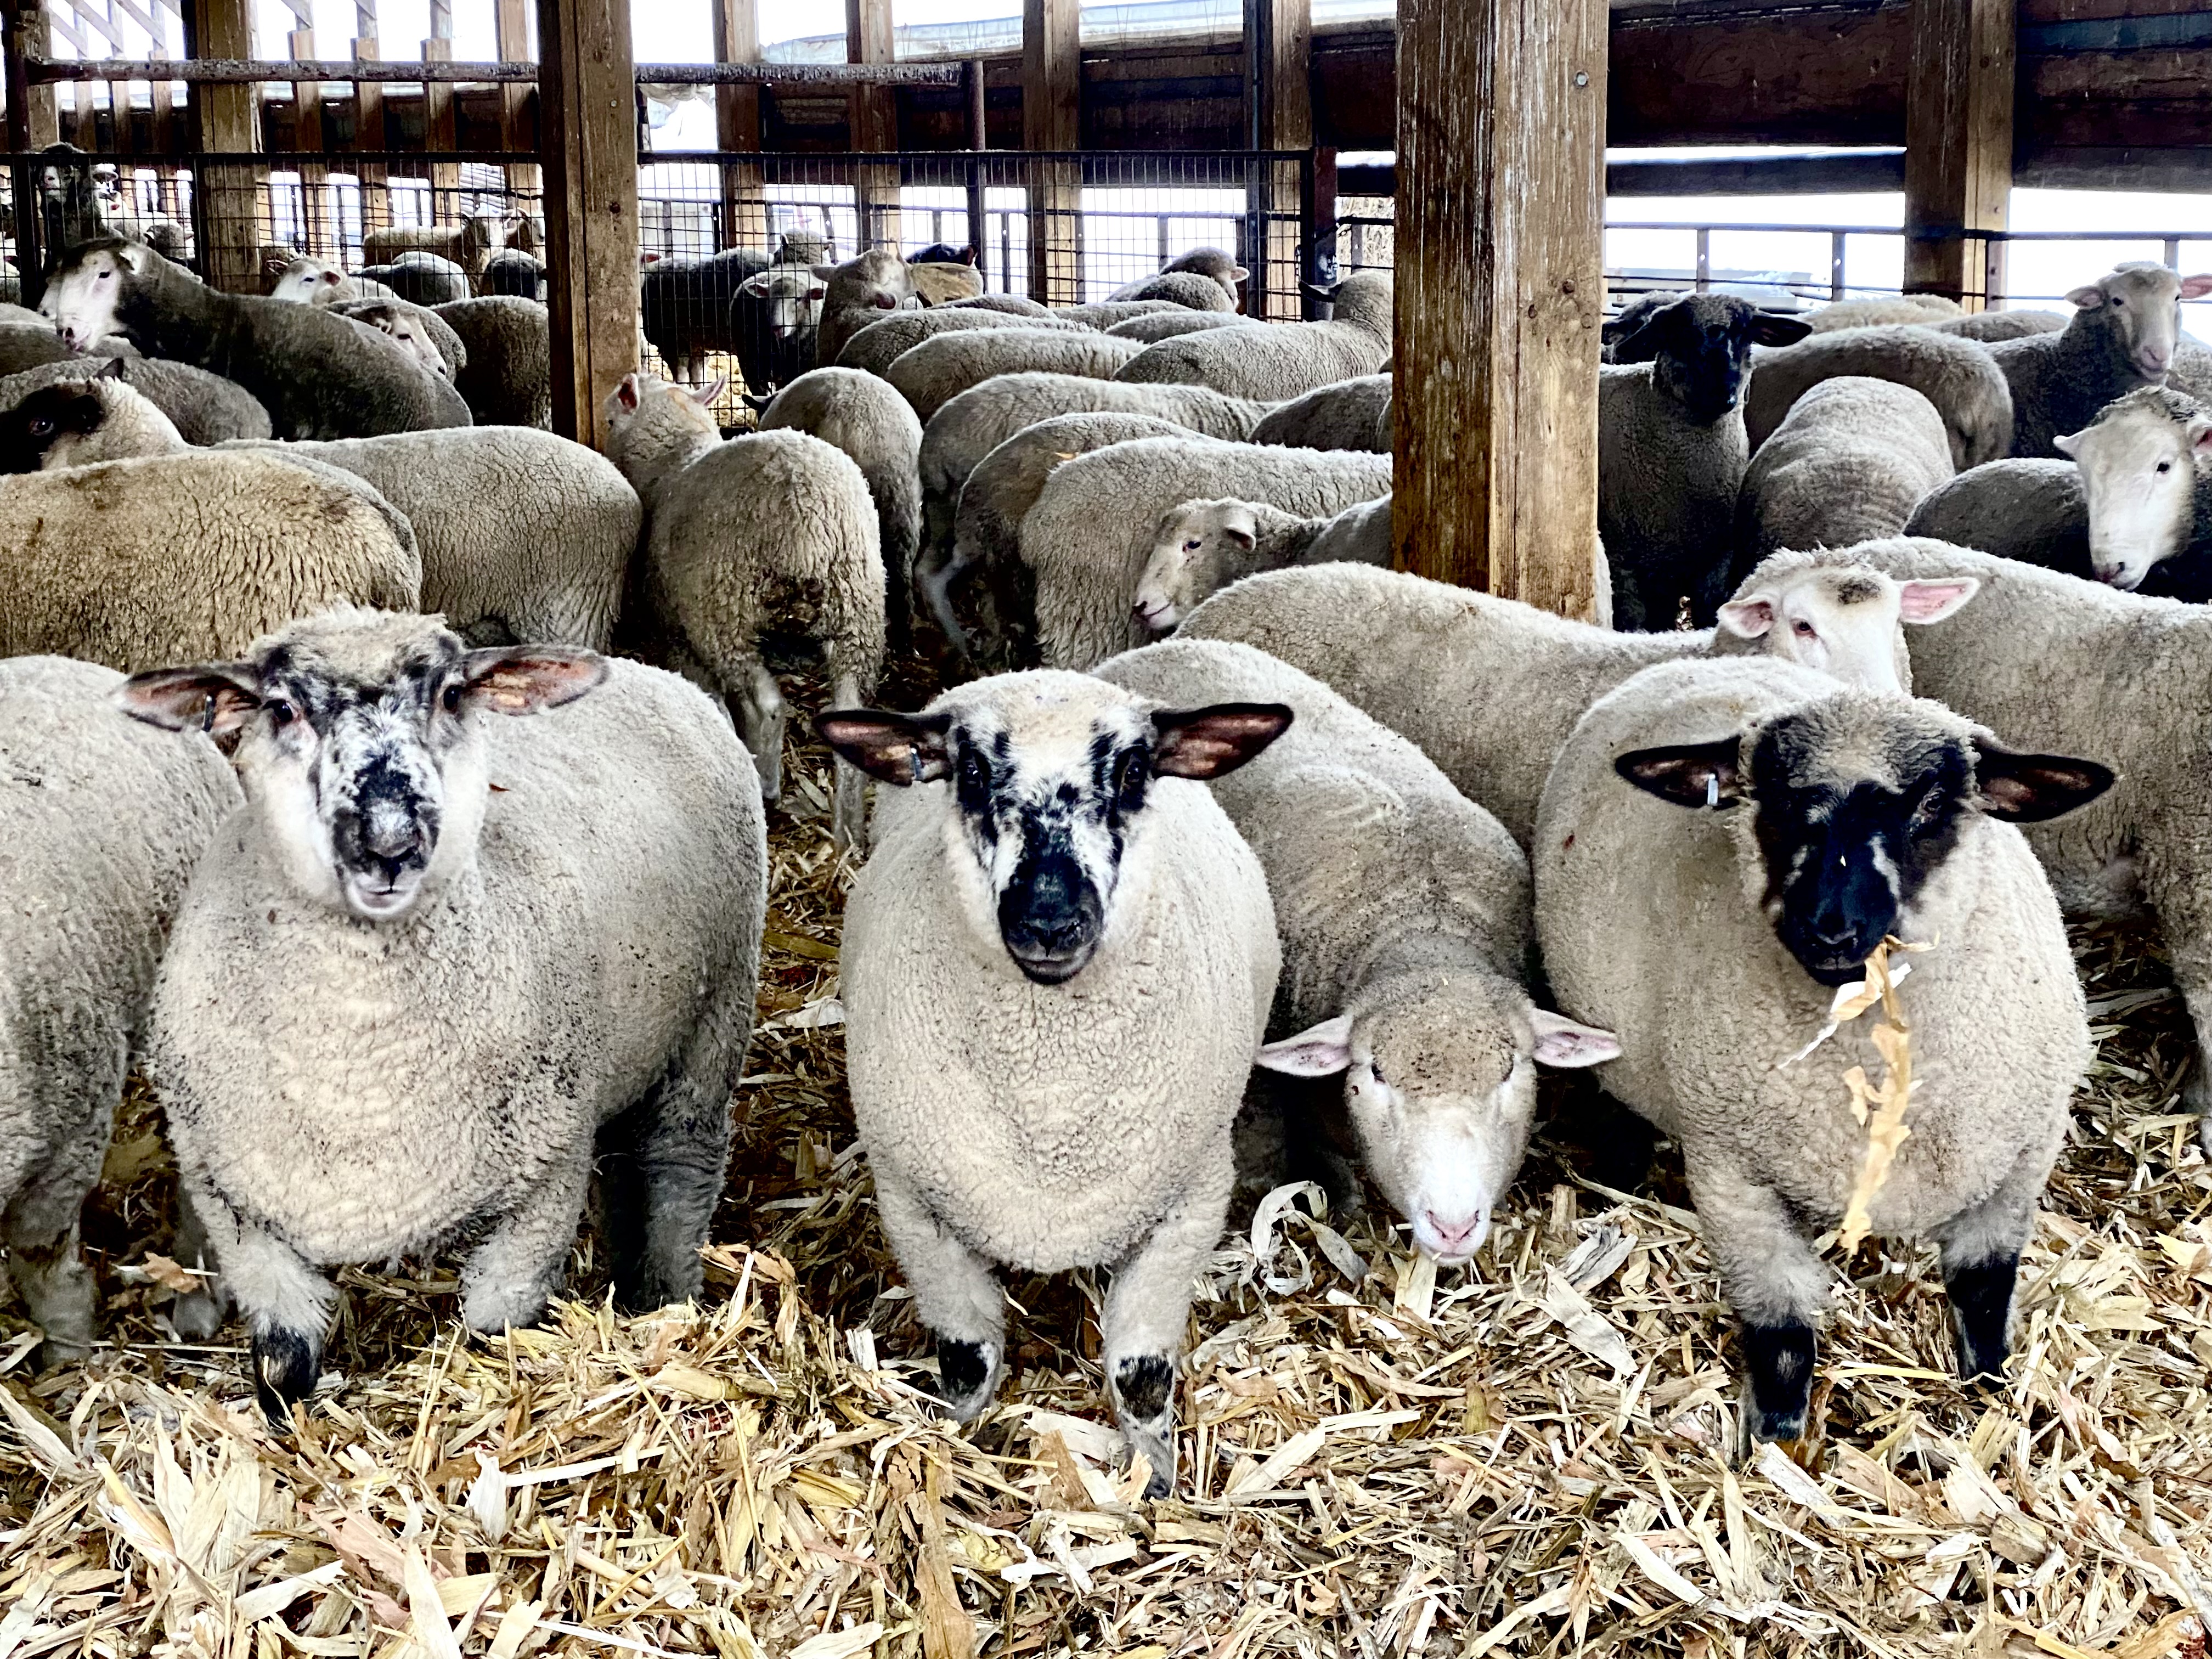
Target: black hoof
{"points": [[1779, 1359], [966, 1372], [285, 1367], [1981, 1316]]}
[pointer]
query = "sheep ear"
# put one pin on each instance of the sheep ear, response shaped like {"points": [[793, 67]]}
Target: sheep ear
{"points": [[626, 394], [756, 286], [2034, 788], [823, 273], [2196, 287], [705, 395], [1688, 775], [526, 680], [1322, 1050], [2064, 442], [215, 697], [1561, 1043], [1929, 601], [1241, 526], [1238, 274], [883, 301], [1773, 328], [1214, 741], [2200, 434], [2087, 298], [900, 749], [112, 371], [1748, 619]]}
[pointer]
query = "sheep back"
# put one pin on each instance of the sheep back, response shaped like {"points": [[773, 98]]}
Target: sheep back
{"points": [[509, 378], [2031, 510], [932, 374], [1959, 377], [1347, 415], [1849, 463], [879, 345]]}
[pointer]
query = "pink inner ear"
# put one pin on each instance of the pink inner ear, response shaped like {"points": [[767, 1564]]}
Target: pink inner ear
{"points": [[1930, 601], [1748, 619], [2202, 439], [2196, 287], [2089, 299]]}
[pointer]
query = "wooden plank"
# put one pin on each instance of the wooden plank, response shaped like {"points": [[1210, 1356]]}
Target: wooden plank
{"points": [[368, 135], [1052, 119], [1810, 77], [1279, 43], [588, 146], [873, 120], [307, 129], [1958, 146], [1501, 150], [225, 120], [737, 125], [511, 37], [439, 131]]}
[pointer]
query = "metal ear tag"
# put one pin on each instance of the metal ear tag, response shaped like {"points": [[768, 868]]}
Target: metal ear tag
{"points": [[914, 762], [1712, 790], [207, 716]]}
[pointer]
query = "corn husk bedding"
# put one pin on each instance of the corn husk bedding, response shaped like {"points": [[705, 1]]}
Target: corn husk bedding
{"points": [[1378, 1458]]}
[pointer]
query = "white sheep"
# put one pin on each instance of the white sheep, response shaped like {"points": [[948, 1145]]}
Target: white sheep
{"points": [[441, 962], [1991, 327], [1057, 967], [931, 374], [1490, 688], [312, 282], [103, 822], [1202, 546], [1881, 310], [1347, 415], [2123, 334], [879, 344], [1849, 462], [2146, 470], [1959, 376], [1277, 361], [1404, 913], [1766, 828], [858, 292], [1157, 326]]}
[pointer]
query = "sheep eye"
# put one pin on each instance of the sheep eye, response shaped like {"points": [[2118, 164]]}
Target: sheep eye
{"points": [[1375, 1072], [281, 712], [40, 428], [1804, 629], [1129, 777], [1190, 546], [451, 697], [2165, 466]]}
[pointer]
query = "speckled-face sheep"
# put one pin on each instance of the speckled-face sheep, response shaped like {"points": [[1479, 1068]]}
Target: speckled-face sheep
{"points": [[440, 960], [1403, 913], [1959, 377], [509, 378], [1772, 827], [1349, 414], [873, 424], [2123, 335], [879, 344], [1671, 453], [1157, 326], [931, 374], [1089, 537], [1057, 967], [205, 408], [1490, 688], [2145, 467], [1278, 360], [319, 375], [103, 821], [1849, 463], [769, 533], [1203, 546], [858, 292]]}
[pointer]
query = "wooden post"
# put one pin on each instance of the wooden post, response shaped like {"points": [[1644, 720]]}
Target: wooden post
{"points": [[225, 120], [511, 33], [26, 33], [1278, 103], [873, 123], [314, 180], [979, 140], [737, 126], [587, 145], [368, 134], [1958, 147], [1500, 293], [439, 131], [1052, 119]]}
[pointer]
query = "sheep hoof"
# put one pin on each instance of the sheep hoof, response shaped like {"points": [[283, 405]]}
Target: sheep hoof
{"points": [[967, 1376], [1981, 1310], [286, 1366], [1778, 1369], [1144, 1401]]}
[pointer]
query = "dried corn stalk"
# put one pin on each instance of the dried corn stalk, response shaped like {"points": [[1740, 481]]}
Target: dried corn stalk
{"points": [[1881, 1111]]}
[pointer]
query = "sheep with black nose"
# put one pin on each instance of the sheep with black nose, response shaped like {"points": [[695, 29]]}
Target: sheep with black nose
{"points": [[1058, 964], [441, 961], [1760, 821]]}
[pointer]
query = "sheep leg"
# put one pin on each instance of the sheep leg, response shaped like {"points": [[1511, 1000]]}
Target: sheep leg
{"points": [[57, 1288], [934, 575], [660, 1170], [508, 1279], [287, 1305], [198, 1314], [1981, 1250], [849, 805], [2196, 1090], [1777, 1286], [954, 1293], [1147, 1311], [760, 723], [46, 1257]]}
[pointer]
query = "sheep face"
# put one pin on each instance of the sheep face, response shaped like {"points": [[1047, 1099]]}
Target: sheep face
{"points": [[1045, 828], [1700, 350], [2139, 304], [792, 296], [39, 432], [410, 334], [2138, 461], [1199, 545], [304, 280], [356, 736], [1844, 621], [83, 298], [1440, 1083], [1856, 802]]}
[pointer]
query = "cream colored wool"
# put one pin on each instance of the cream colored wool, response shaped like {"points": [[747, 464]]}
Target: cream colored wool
{"points": [[875, 347], [1882, 311], [1157, 326], [932, 374], [870, 422], [1849, 463], [1351, 414], [1991, 327], [1276, 360], [1957, 376], [1105, 314], [861, 291], [1193, 289]]}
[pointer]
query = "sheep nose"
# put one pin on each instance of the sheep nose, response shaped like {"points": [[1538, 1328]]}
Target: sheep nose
{"points": [[1453, 1237]]}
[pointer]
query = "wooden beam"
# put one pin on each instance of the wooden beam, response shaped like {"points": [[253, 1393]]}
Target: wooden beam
{"points": [[368, 134], [1052, 119], [439, 129], [587, 145], [1958, 147], [737, 125], [510, 36], [1501, 152], [873, 121], [225, 120], [1278, 94]]}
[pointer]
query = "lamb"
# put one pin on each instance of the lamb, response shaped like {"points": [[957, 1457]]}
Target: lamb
{"points": [[306, 281], [1056, 975], [428, 338], [205, 408], [134, 563], [1276, 360], [1849, 462], [1404, 915], [1156, 325], [871, 423], [1869, 815], [1209, 264], [2145, 468], [1991, 327], [877, 346], [511, 270], [1087, 538], [507, 380], [2124, 330], [932, 374], [423, 279], [1876, 312], [1672, 451], [770, 533], [1348, 415], [1490, 688], [1202, 546], [1959, 377], [467, 245], [439, 962], [776, 320], [319, 375], [857, 293], [103, 821]]}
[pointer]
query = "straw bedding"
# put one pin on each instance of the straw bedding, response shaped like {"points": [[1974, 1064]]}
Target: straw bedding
{"points": [[1379, 1459]]}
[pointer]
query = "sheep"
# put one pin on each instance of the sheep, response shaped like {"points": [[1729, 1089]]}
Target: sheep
{"points": [[10, 313], [103, 821], [1347, 415], [1991, 327], [1490, 688], [306, 281], [423, 279], [775, 317], [319, 375], [511, 270], [932, 374], [944, 253], [1014, 305], [1849, 462], [2030, 510], [2123, 334], [769, 533], [856, 294], [2145, 468], [1276, 360], [871, 423], [1870, 815], [1088, 538], [987, 534], [205, 408], [1184, 288], [439, 962], [1212, 262], [1055, 972], [877, 345], [1157, 326], [1106, 313], [134, 563], [23, 346], [685, 305], [1880, 311], [1404, 915], [1959, 377], [428, 338], [940, 282], [1202, 546], [1672, 451], [509, 378], [467, 245]]}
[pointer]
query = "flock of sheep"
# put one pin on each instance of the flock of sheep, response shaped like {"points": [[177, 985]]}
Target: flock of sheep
{"points": [[406, 975]]}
